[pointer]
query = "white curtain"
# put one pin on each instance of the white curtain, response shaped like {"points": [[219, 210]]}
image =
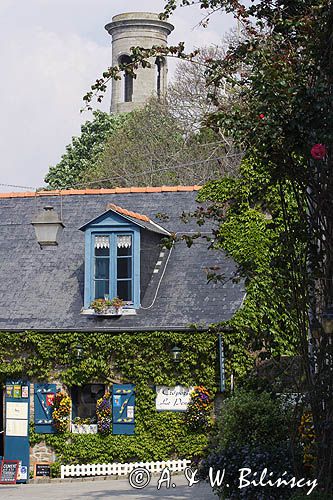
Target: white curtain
{"points": [[124, 241], [102, 242]]}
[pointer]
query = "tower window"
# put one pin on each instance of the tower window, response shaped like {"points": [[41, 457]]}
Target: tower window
{"points": [[159, 67], [128, 81]]}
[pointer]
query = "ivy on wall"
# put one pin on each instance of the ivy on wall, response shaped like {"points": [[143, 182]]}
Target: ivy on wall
{"points": [[143, 359]]}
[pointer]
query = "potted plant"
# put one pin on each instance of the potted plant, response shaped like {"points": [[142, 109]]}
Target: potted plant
{"points": [[100, 306], [108, 307], [118, 304]]}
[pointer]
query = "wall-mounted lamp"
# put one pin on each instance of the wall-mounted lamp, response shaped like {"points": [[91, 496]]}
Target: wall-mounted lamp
{"points": [[79, 352], [48, 227], [176, 354]]}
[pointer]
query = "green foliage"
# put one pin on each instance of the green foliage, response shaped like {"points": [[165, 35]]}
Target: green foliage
{"points": [[152, 148], [84, 151], [252, 431], [251, 230], [158, 436], [251, 418], [143, 359]]}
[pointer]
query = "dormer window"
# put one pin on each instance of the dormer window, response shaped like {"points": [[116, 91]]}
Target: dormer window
{"points": [[113, 266], [113, 255]]}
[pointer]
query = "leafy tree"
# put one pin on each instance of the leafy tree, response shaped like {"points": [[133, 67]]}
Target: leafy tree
{"points": [[187, 93], [84, 151], [152, 148]]}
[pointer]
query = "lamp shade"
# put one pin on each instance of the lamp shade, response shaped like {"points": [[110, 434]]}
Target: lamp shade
{"points": [[48, 227]]}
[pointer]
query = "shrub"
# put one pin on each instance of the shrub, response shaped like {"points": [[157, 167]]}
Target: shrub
{"points": [[251, 418], [277, 460], [252, 432]]}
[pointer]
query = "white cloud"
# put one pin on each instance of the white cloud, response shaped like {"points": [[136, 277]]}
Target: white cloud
{"points": [[50, 54]]}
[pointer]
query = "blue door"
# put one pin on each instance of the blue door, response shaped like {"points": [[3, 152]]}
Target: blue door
{"points": [[17, 414], [123, 407]]}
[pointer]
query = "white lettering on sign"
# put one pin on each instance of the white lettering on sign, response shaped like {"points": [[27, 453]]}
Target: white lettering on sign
{"points": [[172, 398]]}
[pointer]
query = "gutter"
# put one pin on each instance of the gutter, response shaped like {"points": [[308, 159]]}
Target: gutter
{"points": [[106, 329]]}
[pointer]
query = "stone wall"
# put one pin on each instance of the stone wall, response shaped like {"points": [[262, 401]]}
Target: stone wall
{"points": [[41, 453]]}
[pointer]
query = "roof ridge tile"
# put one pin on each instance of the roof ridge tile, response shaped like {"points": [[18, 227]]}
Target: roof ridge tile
{"points": [[87, 191]]}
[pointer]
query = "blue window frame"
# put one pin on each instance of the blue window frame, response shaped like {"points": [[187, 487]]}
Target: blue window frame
{"points": [[113, 266], [112, 259]]}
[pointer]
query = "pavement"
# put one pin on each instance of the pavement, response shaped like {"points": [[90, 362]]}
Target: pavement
{"points": [[99, 489]]}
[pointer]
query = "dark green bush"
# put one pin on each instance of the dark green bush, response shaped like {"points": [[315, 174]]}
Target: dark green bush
{"points": [[277, 460], [251, 418], [253, 432]]}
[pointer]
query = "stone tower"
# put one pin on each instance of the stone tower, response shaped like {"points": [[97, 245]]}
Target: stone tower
{"points": [[143, 29]]}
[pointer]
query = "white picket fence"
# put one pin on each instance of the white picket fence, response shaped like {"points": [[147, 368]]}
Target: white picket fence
{"points": [[116, 469]]}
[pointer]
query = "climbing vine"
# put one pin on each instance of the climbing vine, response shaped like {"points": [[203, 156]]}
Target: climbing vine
{"points": [[143, 359]]}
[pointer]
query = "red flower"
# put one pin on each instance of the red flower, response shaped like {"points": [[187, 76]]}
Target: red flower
{"points": [[318, 151], [261, 116]]}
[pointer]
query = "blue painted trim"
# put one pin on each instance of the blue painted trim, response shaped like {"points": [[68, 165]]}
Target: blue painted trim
{"points": [[111, 224]]}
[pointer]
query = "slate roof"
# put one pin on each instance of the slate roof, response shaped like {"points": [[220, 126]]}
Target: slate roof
{"points": [[43, 289]]}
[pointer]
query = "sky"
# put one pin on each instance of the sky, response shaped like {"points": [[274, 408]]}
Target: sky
{"points": [[51, 51]]}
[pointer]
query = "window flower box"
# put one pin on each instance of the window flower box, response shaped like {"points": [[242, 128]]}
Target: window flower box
{"points": [[84, 428], [111, 311], [123, 311], [106, 307]]}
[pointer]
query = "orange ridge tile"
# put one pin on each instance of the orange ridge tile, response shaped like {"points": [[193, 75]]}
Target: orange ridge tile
{"points": [[87, 191], [123, 211]]}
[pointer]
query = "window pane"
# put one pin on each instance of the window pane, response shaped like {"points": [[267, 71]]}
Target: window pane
{"points": [[102, 268], [101, 288], [86, 399], [124, 252], [124, 245], [124, 290], [102, 246], [102, 252], [124, 267]]}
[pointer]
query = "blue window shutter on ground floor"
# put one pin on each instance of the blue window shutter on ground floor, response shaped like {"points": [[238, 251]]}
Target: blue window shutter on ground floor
{"points": [[123, 408], [43, 408]]}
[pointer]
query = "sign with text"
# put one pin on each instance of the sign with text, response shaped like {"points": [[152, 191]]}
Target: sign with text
{"points": [[42, 470], [172, 398], [9, 471]]}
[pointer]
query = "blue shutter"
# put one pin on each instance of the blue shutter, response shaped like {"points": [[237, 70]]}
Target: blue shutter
{"points": [[43, 409], [123, 408]]}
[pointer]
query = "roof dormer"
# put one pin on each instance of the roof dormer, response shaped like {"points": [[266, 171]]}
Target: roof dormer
{"points": [[114, 256]]}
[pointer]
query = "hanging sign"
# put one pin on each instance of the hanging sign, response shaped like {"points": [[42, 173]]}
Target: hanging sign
{"points": [[17, 392], [9, 471], [172, 398], [25, 391]]}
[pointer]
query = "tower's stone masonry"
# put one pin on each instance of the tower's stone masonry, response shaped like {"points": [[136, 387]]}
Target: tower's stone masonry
{"points": [[133, 29]]}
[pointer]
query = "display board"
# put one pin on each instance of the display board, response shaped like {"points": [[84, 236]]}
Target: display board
{"points": [[16, 439], [8, 472], [42, 470]]}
